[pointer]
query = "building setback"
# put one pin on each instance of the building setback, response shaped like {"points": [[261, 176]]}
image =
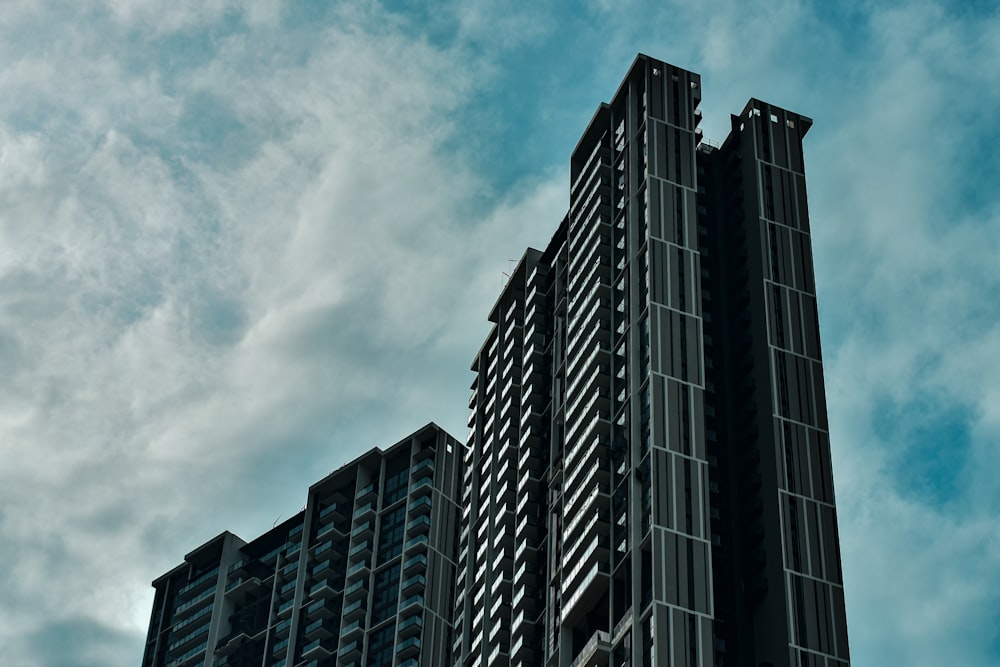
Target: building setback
{"points": [[647, 479], [362, 576]]}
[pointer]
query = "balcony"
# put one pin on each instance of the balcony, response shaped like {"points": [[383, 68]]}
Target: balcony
{"points": [[498, 633], [595, 482], [503, 539], [420, 506], [622, 625], [231, 642], [240, 566], [530, 445], [324, 547], [189, 656], [327, 588], [525, 600], [592, 313], [531, 417], [279, 647], [318, 629], [506, 491], [412, 584], [421, 524], [524, 651], [499, 610], [408, 647], [595, 652], [199, 584], [321, 567], [353, 630], [366, 492], [584, 451], [239, 588], [422, 486], [414, 564], [593, 513], [328, 529], [358, 570], [351, 650], [356, 590], [579, 365], [354, 610], [318, 648], [281, 629], [410, 627], [323, 609], [495, 654], [593, 582], [199, 600], [287, 587], [525, 550], [188, 640], [362, 531], [360, 550], [285, 607], [364, 511], [526, 573], [426, 464], [595, 245], [529, 527], [335, 510], [527, 503], [528, 482], [418, 542], [410, 601]]}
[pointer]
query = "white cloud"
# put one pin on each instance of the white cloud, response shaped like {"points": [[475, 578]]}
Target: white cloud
{"points": [[239, 263], [172, 318], [905, 265]]}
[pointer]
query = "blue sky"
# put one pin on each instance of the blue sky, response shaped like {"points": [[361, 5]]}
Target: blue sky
{"points": [[242, 243]]}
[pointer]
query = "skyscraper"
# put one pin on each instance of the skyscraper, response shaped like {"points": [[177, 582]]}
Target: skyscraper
{"points": [[647, 479], [363, 575]]}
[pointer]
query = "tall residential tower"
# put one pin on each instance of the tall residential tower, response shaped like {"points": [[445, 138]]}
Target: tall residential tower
{"points": [[647, 479]]}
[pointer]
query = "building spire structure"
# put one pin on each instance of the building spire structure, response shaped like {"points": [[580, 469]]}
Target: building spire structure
{"points": [[647, 479]]}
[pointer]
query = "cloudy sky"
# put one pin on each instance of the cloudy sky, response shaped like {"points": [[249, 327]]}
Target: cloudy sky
{"points": [[241, 243]]}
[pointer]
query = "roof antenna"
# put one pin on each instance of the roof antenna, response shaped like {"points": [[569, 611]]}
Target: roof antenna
{"points": [[276, 521], [504, 274]]}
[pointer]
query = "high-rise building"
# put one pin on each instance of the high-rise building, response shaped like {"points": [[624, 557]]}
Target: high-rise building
{"points": [[647, 479], [362, 576]]}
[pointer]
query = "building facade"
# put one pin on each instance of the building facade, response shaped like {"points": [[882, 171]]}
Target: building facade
{"points": [[362, 576], [647, 478]]}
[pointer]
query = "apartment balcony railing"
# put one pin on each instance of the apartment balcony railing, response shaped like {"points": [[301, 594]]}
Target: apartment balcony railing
{"points": [[323, 609], [356, 590], [318, 648], [595, 652], [410, 627], [201, 583], [354, 610], [408, 647], [318, 629]]}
